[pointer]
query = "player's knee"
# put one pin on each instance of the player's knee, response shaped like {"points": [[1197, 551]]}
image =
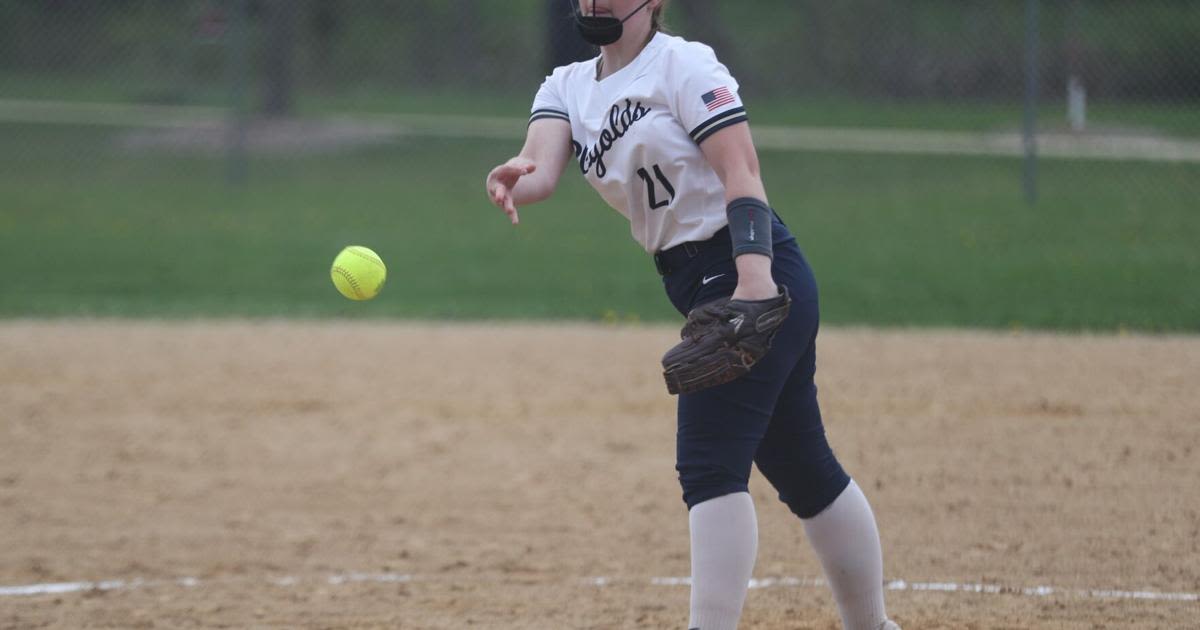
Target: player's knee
{"points": [[701, 482], [811, 501], [807, 483]]}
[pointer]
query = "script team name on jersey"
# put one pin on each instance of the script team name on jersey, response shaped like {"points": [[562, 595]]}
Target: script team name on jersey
{"points": [[619, 122]]}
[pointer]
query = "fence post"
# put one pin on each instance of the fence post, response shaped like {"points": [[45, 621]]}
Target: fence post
{"points": [[236, 61], [1031, 98], [278, 63]]}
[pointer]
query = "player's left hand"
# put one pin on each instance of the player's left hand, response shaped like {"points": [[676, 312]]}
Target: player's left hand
{"points": [[722, 340]]}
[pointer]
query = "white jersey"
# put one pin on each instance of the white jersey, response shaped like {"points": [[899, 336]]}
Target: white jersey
{"points": [[637, 134]]}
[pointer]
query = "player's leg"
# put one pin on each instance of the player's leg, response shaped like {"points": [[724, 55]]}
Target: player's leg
{"points": [[795, 457], [724, 544], [720, 430]]}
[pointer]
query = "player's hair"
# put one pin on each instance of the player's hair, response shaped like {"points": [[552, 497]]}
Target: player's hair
{"points": [[656, 19]]}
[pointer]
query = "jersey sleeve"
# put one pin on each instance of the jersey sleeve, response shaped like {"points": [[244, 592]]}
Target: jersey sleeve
{"points": [[549, 102], [705, 93]]}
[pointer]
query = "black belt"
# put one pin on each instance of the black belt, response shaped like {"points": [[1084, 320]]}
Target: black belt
{"points": [[671, 260]]}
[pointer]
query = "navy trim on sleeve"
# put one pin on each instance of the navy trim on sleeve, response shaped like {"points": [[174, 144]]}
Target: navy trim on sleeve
{"points": [[548, 113], [719, 122]]}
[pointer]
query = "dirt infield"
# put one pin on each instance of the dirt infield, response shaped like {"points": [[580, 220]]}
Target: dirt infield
{"points": [[351, 475]]}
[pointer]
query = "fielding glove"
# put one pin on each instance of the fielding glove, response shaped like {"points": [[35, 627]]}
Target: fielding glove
{"points": [[722, 340]]}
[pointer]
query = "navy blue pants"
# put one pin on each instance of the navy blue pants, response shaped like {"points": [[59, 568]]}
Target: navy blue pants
{"points": [[771, 415]]}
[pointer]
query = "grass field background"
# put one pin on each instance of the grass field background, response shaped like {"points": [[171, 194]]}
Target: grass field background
{"points": [[88, 228]]}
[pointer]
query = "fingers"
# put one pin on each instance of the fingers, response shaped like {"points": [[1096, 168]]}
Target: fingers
{"points": [[511, 210], [522, 166], [502, 198], [501, 181], [514, 169], [496, 193]]}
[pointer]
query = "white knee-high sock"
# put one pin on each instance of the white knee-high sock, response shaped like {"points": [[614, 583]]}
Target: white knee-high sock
{"points": [[724, 544], [846, 539]]}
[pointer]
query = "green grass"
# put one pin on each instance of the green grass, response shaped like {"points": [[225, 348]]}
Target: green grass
{"points": [[86, 229]]}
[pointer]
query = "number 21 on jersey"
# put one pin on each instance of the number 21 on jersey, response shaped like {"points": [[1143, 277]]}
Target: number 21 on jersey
{"points": [[652, 196]]}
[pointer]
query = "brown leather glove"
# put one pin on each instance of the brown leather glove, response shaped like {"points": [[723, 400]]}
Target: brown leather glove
{"points": [[722, 340]]}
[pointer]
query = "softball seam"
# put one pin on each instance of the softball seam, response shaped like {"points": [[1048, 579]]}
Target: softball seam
{"points": [[349, 278], [366, 257]]}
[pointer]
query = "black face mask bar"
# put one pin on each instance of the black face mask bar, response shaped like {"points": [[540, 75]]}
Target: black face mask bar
{"points": [[600, 31]]}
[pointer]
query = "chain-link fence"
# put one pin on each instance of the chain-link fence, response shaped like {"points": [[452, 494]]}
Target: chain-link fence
{"points": [[1102, 67], [198, 91], [1112, 69]]}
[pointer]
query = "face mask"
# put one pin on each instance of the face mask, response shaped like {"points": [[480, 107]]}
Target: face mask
{"points": [[601, 31]]}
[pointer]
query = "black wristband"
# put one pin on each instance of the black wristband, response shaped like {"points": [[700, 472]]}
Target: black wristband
{"points": [[749, 226]]}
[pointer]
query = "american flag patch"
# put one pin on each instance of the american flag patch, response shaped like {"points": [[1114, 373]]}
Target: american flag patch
{"points": [[717, 98]]}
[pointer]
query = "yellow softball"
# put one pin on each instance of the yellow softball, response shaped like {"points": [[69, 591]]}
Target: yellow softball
{"points": [[358, 273]]}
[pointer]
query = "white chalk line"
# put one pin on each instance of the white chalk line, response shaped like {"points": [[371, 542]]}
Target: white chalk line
{"points": [[1139, 147], [56, 588], [954, 587], [338, 579]]}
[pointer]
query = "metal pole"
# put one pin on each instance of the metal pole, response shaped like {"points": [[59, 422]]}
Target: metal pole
{"points": [[236, 65], [1031, 98]]}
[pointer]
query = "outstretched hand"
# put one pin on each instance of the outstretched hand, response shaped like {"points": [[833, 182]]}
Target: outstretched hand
{"points": [[502, 180]]}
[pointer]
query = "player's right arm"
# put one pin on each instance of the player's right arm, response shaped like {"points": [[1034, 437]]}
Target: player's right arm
{"points": [[533, 174]]}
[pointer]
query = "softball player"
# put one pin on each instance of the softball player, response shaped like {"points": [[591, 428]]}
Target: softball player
{"points": [[656, 125]]}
